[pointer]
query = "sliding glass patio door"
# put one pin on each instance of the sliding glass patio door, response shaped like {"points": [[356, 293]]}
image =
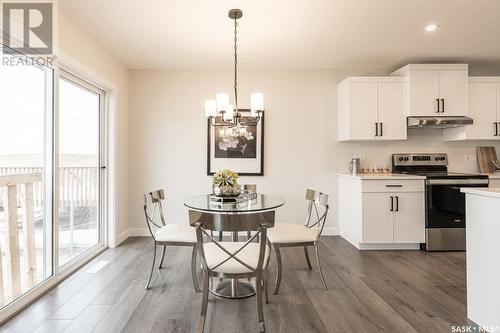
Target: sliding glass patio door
{"points": [[79, 160], [52, 178], [26, 114]]}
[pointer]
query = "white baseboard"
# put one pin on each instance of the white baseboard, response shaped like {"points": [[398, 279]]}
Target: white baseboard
{"points": [[331, 231]]}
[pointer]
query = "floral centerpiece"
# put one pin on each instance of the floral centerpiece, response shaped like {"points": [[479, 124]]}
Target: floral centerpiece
{"points": [[225, 183]]}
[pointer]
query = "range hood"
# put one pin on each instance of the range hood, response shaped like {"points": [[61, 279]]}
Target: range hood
{"points": [[438, 122]]}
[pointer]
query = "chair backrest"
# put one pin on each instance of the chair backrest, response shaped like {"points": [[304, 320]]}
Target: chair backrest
{"points": [[317, 210], [206, 222], [153, 210]]}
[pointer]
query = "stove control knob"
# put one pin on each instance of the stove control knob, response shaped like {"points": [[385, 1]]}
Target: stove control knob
{"points": [[400, 159], [443, 158], [437, 158], [406, 158]]}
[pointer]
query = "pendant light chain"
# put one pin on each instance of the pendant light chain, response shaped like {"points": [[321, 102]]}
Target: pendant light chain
{"points": [[236, 64]]}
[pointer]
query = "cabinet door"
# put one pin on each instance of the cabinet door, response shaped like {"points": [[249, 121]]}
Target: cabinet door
{"points": [[363, 111], [377, 218], [409, 218], [483, 109], [453, 87], [423, 92], [392, 110]]}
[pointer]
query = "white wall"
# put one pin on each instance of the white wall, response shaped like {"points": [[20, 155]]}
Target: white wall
{"points": [[78, 47], [168, 137]]}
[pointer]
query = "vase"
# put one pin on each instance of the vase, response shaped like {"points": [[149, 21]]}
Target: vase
{"points": [[226, 191]]}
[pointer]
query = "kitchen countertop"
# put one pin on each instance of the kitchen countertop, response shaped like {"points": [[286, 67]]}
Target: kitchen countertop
{"points": [[484, 191], [495, 175], [382, 176]]}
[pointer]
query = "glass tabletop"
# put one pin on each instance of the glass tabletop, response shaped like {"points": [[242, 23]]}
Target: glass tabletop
{"points": [[260, 202]]}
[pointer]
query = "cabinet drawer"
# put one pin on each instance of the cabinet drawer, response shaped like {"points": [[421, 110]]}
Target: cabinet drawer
{"points": [[389, 185]]}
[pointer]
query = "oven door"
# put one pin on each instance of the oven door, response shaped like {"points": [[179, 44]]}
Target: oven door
{"points": [[445, 204]]}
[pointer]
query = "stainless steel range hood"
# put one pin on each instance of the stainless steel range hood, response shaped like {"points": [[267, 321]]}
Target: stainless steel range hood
{"points": [[438, 122]]}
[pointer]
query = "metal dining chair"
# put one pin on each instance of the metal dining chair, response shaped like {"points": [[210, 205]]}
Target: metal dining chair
{"points": [[249, 188], [167, 234], [294, 235], [233, 260]]}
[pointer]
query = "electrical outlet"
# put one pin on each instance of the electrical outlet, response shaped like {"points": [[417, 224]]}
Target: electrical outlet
{"points": [[470, 158]]}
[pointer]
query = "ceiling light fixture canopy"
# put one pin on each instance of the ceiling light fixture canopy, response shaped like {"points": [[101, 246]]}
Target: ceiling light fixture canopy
{"points": [[431, 27], [219, 111]]}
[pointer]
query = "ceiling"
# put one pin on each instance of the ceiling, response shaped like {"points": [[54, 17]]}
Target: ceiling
{"points": [[340, 34]]}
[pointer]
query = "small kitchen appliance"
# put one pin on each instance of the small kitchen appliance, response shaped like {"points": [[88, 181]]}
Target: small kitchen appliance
{"points": [[355, 165], [444, 203]]}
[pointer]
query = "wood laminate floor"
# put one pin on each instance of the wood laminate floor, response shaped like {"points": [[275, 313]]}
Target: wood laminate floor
{"points": [[370, 291]]}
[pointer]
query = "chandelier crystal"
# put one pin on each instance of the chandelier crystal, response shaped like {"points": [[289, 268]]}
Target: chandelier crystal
{"points": [[220, 111]]}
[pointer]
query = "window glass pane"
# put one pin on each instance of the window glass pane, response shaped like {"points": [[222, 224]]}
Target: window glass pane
{"points": [[25, 184], [79, 114]]}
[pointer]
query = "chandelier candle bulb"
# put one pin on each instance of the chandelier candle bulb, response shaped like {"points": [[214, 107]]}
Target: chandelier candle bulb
{"points": [[210, 108], [222, 101], [257, 103], [229, 112]]}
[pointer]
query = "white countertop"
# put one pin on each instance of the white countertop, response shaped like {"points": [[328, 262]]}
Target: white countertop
{"points": [[382, 176], [495, 175], [484, 191]]}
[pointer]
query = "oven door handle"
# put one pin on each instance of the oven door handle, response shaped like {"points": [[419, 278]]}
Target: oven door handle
{"points": [[457, 181]]}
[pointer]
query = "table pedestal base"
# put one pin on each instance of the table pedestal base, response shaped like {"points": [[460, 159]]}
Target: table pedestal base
{"points": [[232, 288]]}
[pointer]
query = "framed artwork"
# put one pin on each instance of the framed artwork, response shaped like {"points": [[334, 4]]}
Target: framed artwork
{"points": [[240, 149]]}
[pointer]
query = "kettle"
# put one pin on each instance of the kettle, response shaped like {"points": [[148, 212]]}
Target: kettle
{"points": [[355, 165]]}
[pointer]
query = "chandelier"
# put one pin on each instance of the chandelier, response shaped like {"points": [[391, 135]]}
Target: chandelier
{"points": [[229, 115]]}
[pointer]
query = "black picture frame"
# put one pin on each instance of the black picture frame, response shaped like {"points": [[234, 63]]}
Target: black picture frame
{"points": [[260, 135]]}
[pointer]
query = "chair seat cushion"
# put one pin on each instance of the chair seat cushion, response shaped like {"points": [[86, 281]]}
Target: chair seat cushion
{"points": [[176, 232], [249, 255], [291, 233]]}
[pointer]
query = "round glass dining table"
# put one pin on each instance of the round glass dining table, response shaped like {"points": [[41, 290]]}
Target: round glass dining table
{"points": [[233, 288]]}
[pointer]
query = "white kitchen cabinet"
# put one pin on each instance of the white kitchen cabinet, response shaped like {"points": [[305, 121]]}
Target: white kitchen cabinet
{"points": [[409, 218], [436, 89], [377, 218], [384, 213], [484, 109], [372, 108]]}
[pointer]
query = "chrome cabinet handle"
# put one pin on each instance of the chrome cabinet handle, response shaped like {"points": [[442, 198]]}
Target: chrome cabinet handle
{"points": [[392, 204], [442, 104], [496, 129], [376, 129], [393, 185], [381, 129], [438, 106], [397, 203]]}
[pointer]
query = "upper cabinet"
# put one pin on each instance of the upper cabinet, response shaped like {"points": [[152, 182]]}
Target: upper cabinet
{"points": [[484, 108], [436, 89], [372, 108]]}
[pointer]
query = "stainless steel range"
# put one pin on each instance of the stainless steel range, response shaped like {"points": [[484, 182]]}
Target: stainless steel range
{"points": [[444, 203]]}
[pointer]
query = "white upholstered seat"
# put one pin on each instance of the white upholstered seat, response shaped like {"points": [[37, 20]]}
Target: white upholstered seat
{"points": [[291, 233], [176, 232], [249, 255]]}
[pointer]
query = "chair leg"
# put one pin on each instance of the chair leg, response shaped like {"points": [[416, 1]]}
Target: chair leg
{"points": [[204, 304], [266, 296], [163, 250], [220, 236], [278, 274], [249, 235], [319, 266], [152, 268], [260, 311], [306, 253], [193, 269]]}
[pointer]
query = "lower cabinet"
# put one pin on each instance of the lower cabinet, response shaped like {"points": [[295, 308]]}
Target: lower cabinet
{"points": [[382, 214], [393, 217]]}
